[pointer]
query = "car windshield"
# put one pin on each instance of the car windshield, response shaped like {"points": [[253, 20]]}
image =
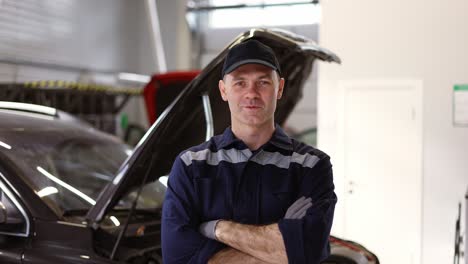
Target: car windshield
{"points": [[68, 169]]}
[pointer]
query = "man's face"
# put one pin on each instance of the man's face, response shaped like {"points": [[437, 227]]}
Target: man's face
{"points": [[251, 92]]}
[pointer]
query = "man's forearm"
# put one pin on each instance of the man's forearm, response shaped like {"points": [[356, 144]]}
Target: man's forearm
{"points": [[262, 242], [233, 256]]}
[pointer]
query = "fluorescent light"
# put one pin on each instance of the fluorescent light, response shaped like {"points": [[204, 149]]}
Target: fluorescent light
{"points": [[47, 191], [127, 151], [115, 220], [133, 77], [66, 185], [84, 257], [5, 145]]}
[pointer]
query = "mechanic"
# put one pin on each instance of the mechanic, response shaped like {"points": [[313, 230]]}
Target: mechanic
{"points": [[251, 194]]}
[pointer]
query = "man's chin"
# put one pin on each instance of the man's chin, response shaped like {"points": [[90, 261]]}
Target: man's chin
{"points": [[255, 122]]}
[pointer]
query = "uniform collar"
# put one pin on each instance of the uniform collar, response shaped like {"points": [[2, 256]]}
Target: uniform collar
{"points": [[229, 138], [279, 139]]}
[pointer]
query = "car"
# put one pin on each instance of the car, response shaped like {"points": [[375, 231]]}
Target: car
{"points": [[52, 169], [72, 194], [349, 252]]}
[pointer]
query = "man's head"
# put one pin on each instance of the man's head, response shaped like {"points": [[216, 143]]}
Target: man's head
{"points": [[251, 84], [251, 51]]}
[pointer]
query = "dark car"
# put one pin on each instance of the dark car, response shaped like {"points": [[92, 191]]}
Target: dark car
{"points": [[72, 194], [53, 167]]}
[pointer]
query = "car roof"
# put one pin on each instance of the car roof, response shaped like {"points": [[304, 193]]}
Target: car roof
{"points": [[35, 119], [33, 116]]}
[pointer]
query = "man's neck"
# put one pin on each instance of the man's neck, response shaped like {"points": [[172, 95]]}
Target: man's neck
{"points": [[254, 137]]}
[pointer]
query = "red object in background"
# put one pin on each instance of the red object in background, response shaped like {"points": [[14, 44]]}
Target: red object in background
{"points": [[173, 83]]}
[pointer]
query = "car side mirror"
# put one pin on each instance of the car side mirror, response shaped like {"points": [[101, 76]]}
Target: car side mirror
{"points": [[3, 213]]}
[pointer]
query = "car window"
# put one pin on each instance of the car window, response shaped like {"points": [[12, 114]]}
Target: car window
{"points": [[67, 169], [16, 222], [86, 166]]}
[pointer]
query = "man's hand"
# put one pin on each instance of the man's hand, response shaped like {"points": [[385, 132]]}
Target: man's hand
{"points": [[299, 208], [208, 229]]}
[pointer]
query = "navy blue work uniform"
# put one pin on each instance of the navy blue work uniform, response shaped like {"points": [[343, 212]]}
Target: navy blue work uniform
{"points": [[223, 179]]}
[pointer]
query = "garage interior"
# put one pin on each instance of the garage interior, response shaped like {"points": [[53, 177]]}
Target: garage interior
{"points": [[393, 115]]}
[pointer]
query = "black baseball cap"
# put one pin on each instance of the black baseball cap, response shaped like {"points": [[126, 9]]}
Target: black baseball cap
{"points": [[250, 51]]}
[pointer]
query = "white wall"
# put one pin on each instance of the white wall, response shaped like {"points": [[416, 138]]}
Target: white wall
{"points": [[416, 40]]}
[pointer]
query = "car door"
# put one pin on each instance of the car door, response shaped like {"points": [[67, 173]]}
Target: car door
{"points": [[14, 225]]}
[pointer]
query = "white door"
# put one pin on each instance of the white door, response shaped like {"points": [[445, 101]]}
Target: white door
{"points": [[382, 158]]}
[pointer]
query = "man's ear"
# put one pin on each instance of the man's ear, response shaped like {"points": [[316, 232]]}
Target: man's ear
{"points": [[222, 90], [280, 89]]}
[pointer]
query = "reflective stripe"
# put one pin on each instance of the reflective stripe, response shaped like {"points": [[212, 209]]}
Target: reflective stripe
{"points": [[307, 160], [272, 158], [214, 158], [238, 156], [283, 161]]}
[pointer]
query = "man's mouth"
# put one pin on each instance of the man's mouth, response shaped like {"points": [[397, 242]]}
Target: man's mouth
{"points": [[252, 106]]}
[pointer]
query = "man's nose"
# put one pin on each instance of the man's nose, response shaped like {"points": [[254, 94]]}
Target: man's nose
{"points": [[252, 91]]}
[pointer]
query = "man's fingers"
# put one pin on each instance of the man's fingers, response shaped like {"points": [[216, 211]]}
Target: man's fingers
{"points": [[298, 205], [308, 200], [298, 201], [208, 229], [296, 209], [301, 212], [293, 208], [301, 215]]}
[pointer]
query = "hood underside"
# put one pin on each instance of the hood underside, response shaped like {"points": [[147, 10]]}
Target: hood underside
{"points": [[183, 124]]}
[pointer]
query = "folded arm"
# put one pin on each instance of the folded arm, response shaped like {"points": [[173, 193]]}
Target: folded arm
{"points": [[181, 241], [300, 239], [264, 243]]}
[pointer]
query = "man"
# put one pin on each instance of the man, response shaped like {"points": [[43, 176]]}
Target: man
{"points": [[252, 194]]}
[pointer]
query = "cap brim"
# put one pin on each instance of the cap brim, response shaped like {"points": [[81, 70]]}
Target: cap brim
{"points": [[249, 61]]}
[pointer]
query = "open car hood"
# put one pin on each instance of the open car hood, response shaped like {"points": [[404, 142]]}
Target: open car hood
{"points": [[184, 122]]}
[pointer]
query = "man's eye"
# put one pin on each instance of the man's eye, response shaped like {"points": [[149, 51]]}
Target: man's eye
{"points": [[263, 83], [239, 83]]}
